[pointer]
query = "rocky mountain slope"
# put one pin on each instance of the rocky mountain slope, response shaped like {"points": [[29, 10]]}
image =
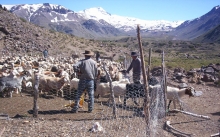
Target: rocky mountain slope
{"points": [[193, 28], [210, 37], [17, 36]]}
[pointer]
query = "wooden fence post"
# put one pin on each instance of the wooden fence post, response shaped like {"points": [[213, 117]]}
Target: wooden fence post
{"points": [[112, 93], [164, 83], [36, 94], [147, 98], [149, 64], [125, 62]]}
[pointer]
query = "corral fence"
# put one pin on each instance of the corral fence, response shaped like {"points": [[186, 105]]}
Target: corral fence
{"points": [[111, 119], [115, 119]]}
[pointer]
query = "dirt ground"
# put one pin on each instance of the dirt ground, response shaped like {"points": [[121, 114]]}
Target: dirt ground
{"points": [[16, 117]]}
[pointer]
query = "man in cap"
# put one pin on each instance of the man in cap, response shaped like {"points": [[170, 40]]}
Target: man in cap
{"points": [[87, 68], [136, 66]]}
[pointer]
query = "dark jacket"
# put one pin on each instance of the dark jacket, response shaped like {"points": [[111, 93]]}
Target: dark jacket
{"points": [[136, 66]]}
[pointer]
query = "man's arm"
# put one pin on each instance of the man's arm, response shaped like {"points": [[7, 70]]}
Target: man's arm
{"points": [[129, 68], [96, 71], [139, 63], [76, 66]]}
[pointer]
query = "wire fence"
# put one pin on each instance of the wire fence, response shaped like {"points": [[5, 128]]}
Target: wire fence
{"points": [[130, 118], [55, 116]]}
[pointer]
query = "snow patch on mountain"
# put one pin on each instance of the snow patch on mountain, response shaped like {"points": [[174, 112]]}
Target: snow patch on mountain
{"points": [[129, 23], [98, 14]]}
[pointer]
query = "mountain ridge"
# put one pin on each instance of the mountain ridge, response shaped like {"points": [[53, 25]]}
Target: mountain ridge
{"points": [[191, 29], [97, 23], [60, 14]]}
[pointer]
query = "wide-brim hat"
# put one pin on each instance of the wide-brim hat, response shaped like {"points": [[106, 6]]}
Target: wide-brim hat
{"points": [[133, 53], [88, 53]]}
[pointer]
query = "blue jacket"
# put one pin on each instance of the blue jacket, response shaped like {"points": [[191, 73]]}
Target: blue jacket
{"points": [[45, 52]]}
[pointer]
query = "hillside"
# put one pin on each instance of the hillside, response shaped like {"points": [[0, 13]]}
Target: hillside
{"points": [[191, 29], [18, 36], [210, 37]]}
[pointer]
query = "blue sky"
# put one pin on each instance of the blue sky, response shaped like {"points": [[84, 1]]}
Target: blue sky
{"points": [[171, 10]]}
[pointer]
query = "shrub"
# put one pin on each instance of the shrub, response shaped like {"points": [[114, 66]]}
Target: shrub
{"points": [[22, 19]]}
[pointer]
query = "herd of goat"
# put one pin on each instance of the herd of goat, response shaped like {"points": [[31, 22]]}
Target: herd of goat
{"points": [[19, 72]]}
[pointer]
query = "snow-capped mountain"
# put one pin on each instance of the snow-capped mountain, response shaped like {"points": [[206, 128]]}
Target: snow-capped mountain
{"points": [[127, 23], [56, 13], [96, 22], [119, 22]]}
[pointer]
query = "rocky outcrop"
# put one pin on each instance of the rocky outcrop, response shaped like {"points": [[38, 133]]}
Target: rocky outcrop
{"points": [[201, 75]]}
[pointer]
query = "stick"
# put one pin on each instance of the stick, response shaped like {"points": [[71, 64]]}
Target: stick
{"points": [[214, 135], [112, 92], [184, 134], [1, 132], [164, 83], [36, 94], [195, 115]]}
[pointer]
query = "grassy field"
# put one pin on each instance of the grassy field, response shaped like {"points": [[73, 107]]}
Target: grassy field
{"points": [[182, 54]]}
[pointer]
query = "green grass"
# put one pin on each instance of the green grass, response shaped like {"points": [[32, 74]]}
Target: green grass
{"points": [[187, 64], [194, 63]]}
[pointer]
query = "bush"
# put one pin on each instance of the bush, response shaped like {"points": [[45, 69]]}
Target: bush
{"points": [[22, 19]]}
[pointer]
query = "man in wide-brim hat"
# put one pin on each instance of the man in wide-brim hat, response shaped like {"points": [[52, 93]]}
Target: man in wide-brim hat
{"points": [[88, 53], [88, 73], [136, 66]]}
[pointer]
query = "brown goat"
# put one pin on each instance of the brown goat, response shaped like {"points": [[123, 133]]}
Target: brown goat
{"points": [[47, 83]]}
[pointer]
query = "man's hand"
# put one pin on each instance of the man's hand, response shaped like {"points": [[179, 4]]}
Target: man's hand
{"points": [[124, 71]]}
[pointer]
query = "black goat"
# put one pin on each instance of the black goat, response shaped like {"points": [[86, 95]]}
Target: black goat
{"points": [[133, 91], [138, 90]]}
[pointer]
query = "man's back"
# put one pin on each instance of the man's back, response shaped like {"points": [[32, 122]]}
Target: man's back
{"points": [[87, 68]]}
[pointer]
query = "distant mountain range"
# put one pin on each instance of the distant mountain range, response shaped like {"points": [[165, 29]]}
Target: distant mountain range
{"points": [[97, 23]]}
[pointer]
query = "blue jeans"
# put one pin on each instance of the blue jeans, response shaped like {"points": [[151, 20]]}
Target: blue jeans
{"points": [[82, 86]]}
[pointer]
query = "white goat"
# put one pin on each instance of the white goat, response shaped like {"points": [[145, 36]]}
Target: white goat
{"points": [[12, 83], [118, 87], [175, 94], [73, 84]]}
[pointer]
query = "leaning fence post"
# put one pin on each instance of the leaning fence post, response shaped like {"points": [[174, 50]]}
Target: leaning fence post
{"points": [[149, 64], [147, 98], [36, 94], [164, 83], [112, 93], [125, 62]]}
